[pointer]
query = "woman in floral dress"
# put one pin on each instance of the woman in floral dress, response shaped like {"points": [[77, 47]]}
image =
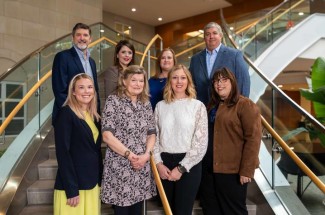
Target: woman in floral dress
{"points": [[129, 131]]}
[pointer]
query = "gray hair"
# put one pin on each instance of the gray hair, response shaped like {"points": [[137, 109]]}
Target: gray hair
{"points": [[213, 25]]}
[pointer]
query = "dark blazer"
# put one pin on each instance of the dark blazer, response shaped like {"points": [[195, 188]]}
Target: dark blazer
{"points": [[79, 157], [227, 57], [66, 65]]}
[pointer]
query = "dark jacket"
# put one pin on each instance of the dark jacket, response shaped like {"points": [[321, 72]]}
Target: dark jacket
{"points": [[79, 157], [66, 65]]}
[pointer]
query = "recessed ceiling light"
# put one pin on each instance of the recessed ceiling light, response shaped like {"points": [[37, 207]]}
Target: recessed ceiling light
{"points": [[102, 30], [231, 28], [159, 19], [133, 9], [301, 13]]}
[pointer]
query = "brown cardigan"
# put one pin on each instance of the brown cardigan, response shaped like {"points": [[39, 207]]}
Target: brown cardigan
{"points": [[237, 138], [111, 76]]}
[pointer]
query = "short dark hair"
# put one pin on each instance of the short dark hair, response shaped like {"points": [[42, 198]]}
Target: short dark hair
{"points": [[80, 26]]}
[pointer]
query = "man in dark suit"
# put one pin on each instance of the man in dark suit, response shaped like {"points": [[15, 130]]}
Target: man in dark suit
{"points": [[202, 66], [215, 56], [71, 62]]}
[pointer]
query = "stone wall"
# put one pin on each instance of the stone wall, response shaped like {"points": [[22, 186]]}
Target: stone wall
{"points": [[26, 25]]}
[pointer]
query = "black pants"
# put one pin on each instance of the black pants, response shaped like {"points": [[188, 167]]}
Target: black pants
{"points": [[222, 194], [135, 209], [181, 194]]}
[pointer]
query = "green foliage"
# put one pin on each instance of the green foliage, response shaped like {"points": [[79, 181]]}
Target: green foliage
{"points": [[317, 96]]}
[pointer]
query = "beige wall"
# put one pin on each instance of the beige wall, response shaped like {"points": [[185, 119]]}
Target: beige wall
{"points": [[26, 25], [140, 32]]}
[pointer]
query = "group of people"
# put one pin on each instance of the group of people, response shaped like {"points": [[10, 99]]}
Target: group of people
{"points": [[197, 123]]}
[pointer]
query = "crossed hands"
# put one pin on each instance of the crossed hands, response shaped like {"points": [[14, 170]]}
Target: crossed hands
{"points": [[165, 173], [138, 161]]}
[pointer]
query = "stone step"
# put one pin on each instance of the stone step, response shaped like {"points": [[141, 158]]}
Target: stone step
{"points": [[52, 154], [41, 192], [48, 210], [47, 169]]}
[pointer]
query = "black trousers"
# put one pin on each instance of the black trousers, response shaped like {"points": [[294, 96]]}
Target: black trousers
{"points": [[135, 209], [222, 194], [181, 194]]}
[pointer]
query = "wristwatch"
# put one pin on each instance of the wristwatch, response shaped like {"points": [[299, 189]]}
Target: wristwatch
{"points": [[181, 168], [126, 153]]}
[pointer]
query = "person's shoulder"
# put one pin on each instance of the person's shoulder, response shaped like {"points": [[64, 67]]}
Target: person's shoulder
{"points": [[246, 102], [111, 69], [198, 54]]}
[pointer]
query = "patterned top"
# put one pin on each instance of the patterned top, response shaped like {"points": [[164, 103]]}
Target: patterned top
{"points": [[182, 127], [121, 184]]}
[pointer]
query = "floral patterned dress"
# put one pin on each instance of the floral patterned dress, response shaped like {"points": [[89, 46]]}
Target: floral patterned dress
{"points": [[121, 184]]}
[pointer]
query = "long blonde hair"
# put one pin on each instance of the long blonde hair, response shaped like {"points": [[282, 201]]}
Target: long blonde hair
{"points": [[73, 103], [130, 71], [169, 95]]}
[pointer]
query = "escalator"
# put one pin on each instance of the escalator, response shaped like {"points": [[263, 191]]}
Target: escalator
{"points": [[23, 137]]}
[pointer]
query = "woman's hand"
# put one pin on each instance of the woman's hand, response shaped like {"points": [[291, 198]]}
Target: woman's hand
{"points": [[163, 171], [139, 161], [73, 202], [175, 175], [244, 179]]}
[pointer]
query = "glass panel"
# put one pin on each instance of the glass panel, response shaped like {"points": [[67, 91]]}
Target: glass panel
{"points": [[9, 106], [15, 127], [14, 91]]}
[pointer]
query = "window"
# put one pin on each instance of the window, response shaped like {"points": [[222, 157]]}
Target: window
{"points": [[11, 94]]}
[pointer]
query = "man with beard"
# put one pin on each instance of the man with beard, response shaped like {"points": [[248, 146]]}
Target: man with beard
{"points": [[71, 62]]}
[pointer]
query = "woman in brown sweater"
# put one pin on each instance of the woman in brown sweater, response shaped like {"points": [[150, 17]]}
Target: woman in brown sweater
{"points": [[236, 142]]}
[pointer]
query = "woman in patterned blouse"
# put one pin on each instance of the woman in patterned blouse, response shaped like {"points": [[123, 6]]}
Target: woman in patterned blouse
{"points": [[182, 139], [129, 131]]}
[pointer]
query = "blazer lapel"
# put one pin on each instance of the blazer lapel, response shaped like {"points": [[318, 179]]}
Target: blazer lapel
{"points": [[77, 61], [204, 64]]}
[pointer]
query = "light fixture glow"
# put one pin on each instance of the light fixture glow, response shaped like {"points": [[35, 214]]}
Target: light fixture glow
{"points": [[159, 19], [301, 13], [133, 9], [102, 30], [231, 28]]}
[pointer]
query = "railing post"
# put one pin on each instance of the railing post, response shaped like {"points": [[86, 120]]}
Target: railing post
{"points": [[144, 208], [272, 121], [148, 63], [38, 90]]}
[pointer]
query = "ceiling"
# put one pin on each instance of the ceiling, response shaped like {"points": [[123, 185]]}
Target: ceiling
{"points": [[148, 11]]}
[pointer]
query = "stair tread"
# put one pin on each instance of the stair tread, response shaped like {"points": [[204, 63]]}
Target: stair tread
{"points": [[49, 163], [42, 185]]}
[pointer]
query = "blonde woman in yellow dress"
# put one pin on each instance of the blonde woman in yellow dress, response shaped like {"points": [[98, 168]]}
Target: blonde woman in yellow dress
{"points": [[77, 142]]}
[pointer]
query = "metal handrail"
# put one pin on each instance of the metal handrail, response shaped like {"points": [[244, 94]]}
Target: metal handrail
{"points": [[293, 155], [273, 20], [262, 18], [161, 190]]}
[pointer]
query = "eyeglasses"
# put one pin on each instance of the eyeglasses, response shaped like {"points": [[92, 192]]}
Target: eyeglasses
{"points": [[220, 81]]}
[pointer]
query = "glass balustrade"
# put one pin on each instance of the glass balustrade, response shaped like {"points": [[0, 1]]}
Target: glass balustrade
{"points": [[256, 39]]}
